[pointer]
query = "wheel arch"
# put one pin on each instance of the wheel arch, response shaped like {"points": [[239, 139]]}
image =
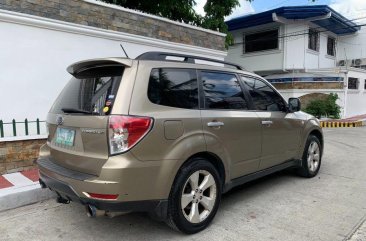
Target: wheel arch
{"points": [[213, 159], [318, 135]]}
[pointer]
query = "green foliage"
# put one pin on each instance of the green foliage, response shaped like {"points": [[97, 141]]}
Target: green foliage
{"points": [[179, 10], [216, 11], [324, 107]]}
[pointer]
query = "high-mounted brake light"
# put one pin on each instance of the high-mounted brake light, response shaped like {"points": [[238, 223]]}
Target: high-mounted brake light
{"points": [[127, 131]]}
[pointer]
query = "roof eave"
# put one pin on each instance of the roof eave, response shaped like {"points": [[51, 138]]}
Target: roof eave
{"points": [[321, 10]]}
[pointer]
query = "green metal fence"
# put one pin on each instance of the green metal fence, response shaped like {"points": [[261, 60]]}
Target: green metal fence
{"points": [[14, 123]]}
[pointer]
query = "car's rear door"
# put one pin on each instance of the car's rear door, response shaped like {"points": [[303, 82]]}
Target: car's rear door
{"points": [[280, 130], [230, 130]]}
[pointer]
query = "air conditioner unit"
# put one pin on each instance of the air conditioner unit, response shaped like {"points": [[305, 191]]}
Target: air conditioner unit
{"points": [[363, 62], [342, 63], [356, 62]]}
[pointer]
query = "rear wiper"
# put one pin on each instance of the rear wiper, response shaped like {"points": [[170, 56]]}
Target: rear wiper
{"points": [[73, 110]]}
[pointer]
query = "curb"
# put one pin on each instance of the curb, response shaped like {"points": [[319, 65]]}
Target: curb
{"points": [[20, 189], [335, 124]]}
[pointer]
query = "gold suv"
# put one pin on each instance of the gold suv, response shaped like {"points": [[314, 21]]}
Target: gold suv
{"points": [[167, 134]]}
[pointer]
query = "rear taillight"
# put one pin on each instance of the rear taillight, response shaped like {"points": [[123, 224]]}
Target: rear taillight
{"points": [[127, 131]]}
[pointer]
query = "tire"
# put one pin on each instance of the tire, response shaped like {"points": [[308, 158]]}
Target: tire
{"points": [[311, 158], [200, 201]]}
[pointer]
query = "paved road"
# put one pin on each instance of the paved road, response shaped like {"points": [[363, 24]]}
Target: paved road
{"points": [[281, 207]]}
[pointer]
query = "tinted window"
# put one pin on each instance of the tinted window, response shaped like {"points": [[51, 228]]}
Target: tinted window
{"points": [[313, 39], [352, 83], [222, 91], [174, 87], [263, 96], [331, 46], [261, 41], [90, 92]]}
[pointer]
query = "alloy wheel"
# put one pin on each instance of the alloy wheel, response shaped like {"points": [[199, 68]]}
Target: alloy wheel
{"points": [[313, 158], [198, 196]]}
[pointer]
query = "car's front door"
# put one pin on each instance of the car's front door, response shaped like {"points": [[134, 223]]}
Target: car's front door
{"points": [[280, 129], [230, 130]]}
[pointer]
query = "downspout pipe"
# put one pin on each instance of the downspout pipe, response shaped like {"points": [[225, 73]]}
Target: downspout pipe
{"points": [[345, 94]]}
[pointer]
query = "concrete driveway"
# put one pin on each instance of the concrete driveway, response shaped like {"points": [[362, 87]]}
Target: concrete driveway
{"points": [[282, 207]]}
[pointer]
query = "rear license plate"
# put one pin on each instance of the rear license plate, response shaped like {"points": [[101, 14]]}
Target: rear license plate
{"points": [[65, 136]]}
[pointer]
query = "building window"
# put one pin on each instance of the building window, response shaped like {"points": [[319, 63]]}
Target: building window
{"points": [[331, 46], [352, 83], [313, 40], [364, 87], [266, 40]]}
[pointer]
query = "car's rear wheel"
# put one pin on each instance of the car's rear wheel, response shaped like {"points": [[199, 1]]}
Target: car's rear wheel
{"points": [[311, 159], [195, 196]]}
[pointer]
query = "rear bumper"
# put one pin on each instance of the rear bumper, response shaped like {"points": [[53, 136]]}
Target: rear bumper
{"points": [[61, 180]]}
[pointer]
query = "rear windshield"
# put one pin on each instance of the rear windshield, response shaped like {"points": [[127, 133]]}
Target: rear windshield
{"points": [[91, 92]]}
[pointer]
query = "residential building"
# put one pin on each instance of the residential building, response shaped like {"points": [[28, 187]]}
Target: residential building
{"points": [[305, 52]]}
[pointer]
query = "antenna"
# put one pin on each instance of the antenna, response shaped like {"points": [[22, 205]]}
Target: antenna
{"points": [[124, 51]]}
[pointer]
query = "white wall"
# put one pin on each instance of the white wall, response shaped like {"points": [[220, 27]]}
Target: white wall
{"points": [[326, 61], [256, 61], [293, 52], [294, 46], [319, 59], [356, 99], [34, 54], [352, 46], [299, 56]]}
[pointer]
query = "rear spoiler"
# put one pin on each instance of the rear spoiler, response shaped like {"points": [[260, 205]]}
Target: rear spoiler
{"points": [[81, 66]]}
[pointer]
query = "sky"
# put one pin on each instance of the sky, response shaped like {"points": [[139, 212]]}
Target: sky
{"points": [[349, 8]]}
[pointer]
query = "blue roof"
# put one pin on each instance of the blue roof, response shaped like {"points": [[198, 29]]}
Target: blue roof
{"points": [[337, 23]]}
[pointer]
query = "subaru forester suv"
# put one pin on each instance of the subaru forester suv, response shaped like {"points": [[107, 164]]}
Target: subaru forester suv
{"points": [[167, 134]]}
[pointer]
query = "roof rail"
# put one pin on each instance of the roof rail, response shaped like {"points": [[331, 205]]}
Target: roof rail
{"points": [[187, 58]]}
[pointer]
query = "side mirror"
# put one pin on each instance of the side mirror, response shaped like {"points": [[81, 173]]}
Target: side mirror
{"points": [[294, 104]]}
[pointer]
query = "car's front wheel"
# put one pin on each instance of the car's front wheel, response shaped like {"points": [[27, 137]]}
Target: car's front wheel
{"points": [[195, 196], [311, 159]]}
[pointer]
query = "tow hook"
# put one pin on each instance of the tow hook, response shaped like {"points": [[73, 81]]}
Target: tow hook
{"points": [[62, 200]]}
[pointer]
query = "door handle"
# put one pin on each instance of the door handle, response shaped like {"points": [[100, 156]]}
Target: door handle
{"points": [[215, 124], [267, 123]]}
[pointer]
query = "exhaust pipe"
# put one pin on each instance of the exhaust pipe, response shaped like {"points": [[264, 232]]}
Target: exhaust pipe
{"points": [[115, 214], [43, 185], [93, 212]]}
